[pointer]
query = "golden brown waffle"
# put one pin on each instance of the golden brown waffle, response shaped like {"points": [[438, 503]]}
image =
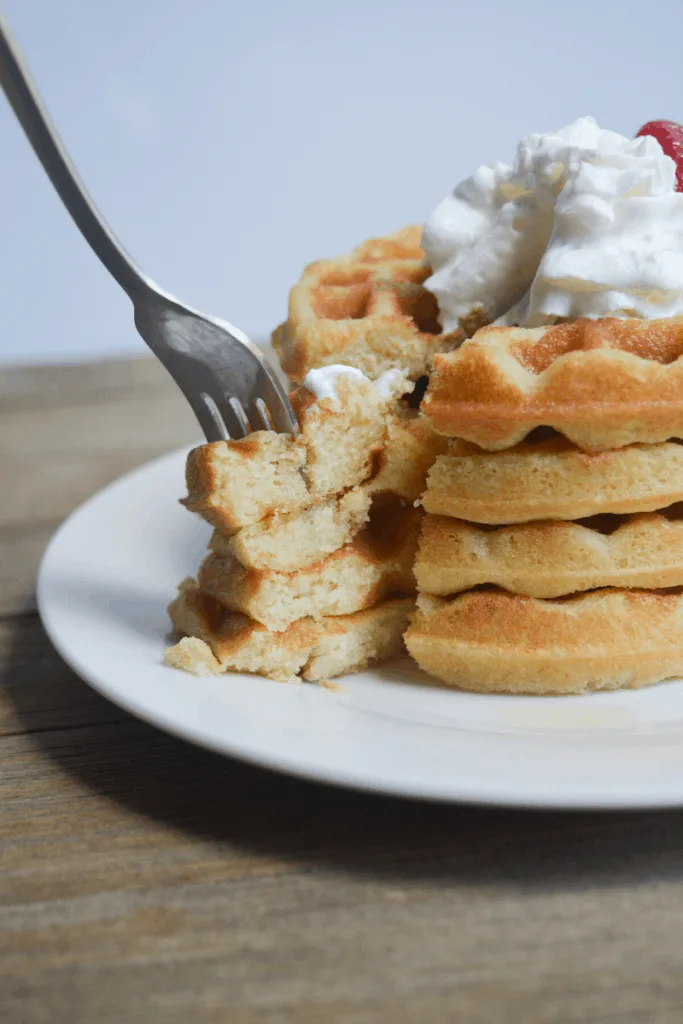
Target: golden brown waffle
{"points": [[550, 559], [233, 484], [552, 480], [215, 640], [377, 564], [401, 467], [238, 483], [368, 309], [288, 541], [491, 641], [291, 546], [602, 383], [285, 543]]}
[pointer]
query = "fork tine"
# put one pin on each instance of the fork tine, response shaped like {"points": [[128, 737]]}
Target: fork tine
{"points": [[269, 390], [221, 422], [240, 416], [210, 419], [260, 418]]}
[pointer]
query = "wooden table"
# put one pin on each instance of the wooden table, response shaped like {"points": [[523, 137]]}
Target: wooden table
{"points": [[143, 880]]}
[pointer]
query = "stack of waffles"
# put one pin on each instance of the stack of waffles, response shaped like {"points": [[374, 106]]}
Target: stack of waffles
{"points": [[368, 309], [551, 556], [310, 566]]}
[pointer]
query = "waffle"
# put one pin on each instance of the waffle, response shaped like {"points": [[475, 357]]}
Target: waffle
{"points": [[234, 484], [238, 483], [368, 309], [215, 640], [550, 559], [602, 383], [491, 641], [293, 540], [401, 467], [377, 564], [552, 480], [289, 541]]}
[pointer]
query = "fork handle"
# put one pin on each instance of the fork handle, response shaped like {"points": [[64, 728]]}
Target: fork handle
{"points": [[41, 133]]}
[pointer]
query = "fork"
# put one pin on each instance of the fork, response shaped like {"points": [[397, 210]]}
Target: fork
{"points": [[224, 377]]}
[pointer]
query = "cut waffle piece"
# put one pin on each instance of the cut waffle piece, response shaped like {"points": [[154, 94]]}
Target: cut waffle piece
{"points": [[293, 540], [377, 564], [401, 467], [237, 483], [368, 309], [233, 484], [550, 559], [492, 641], [215, 640], [552, 480], [602, 383]]}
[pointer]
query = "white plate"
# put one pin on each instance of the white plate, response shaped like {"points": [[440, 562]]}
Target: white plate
{"points": [[103, 588]]}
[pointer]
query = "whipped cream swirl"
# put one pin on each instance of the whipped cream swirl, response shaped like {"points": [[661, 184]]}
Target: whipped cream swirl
{"points": [[587, 223], [323, 382]]}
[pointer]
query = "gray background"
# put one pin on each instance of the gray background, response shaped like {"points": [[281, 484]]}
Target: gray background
{"points": [[229, 144]]}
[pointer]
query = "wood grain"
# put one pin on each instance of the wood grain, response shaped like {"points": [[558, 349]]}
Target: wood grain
{"points": [[143, 880], [21, 548]]}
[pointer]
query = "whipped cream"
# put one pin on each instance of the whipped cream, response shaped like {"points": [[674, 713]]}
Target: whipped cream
{"points": [[392, 384], [323, 382], [587, 223]]}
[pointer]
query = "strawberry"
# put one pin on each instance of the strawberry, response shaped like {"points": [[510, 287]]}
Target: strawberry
{"points": [[669, 135]]}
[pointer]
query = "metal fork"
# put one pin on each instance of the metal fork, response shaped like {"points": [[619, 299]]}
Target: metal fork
{"points": [[224, 377]]}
